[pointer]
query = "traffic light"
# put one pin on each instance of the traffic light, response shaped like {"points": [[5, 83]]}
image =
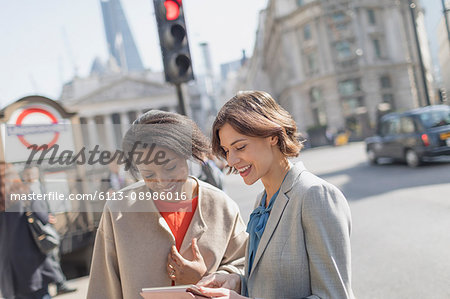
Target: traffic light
{"points": [[173, 40]]}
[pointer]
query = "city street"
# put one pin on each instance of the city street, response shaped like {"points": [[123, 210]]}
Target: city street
{"points": [[120, 74], [401, 223]]}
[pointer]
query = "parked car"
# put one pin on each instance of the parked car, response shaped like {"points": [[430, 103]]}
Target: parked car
{"points": [[414, 136]]}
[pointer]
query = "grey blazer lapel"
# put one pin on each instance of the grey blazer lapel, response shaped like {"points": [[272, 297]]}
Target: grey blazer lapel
{"points": [[274, 218], [277, 210]]}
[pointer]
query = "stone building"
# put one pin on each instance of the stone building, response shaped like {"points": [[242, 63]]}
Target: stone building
{"points": [[110, 102], [332, 63]]}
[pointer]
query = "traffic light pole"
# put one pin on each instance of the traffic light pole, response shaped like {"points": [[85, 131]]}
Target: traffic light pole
{"points": [[445, 10], [412, 8], [181, 103]]}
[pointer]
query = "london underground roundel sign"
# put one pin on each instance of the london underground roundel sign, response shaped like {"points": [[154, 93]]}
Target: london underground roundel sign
{"points": [[24, 128]]}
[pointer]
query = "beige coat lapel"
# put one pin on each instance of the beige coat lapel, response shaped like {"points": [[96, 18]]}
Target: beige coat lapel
{"points": [[162, 222], [277, 210], [196, 228]]}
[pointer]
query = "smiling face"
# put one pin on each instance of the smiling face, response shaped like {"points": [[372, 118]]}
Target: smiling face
{"points": [[167, 177], [252, 157]]}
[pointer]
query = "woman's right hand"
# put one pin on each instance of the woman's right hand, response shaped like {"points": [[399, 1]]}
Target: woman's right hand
{"points": [[219, 280], [220, 293]]}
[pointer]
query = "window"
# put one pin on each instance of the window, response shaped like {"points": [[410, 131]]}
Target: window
{"points": [[394, 126], [339, 16], [349, 87], [407, 125], [312, 64], [318, 106], [343, 49], [385, 82], [389, 98], [371, 16], [348, 63], [350, 104], [300, 2], [384, 128], [307, 32], [376, 47], [341, 26], [390, 127], [436, 118]]}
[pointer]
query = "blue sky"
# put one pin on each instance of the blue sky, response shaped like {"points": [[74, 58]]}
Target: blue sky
{"points": [[44, 41]]}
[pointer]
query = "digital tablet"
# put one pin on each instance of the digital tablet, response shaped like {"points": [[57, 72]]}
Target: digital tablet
{"points": [[175, 292]]}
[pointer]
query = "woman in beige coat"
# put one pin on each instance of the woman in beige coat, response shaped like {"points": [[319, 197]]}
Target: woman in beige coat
{"points": [[169, 228]]}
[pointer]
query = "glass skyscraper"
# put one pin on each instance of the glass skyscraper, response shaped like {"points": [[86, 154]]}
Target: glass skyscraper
{"points": [[121, 44]]}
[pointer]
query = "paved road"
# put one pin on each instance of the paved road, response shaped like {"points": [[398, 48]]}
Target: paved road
{"points": [[401, 221]]}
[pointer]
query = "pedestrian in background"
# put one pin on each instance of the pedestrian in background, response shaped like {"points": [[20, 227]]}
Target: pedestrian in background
{"points": [[299, 243], [154, 243], [208, 171], [25, 270], [115, 179], [31, 177]]}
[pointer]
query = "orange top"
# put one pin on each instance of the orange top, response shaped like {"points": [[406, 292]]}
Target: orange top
{"points": [[178, 216]]}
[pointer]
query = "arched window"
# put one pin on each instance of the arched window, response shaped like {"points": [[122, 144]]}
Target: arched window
{"points": [[318, 106]]}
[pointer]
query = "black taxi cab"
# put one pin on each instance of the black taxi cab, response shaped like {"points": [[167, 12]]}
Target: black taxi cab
{"points": [[414, 136]]}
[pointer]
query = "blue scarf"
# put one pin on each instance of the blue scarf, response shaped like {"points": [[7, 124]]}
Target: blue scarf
{"points": [[257, 225]]}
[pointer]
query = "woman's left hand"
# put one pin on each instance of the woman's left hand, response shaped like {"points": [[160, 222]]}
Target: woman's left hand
{"points": [[184, 271], [220, 293]]}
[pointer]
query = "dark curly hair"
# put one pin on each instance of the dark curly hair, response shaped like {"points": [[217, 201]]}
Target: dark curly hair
{"points": [[166, 129]]}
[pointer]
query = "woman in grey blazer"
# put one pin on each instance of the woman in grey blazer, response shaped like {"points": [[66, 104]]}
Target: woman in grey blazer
{"points": [[299, 232]]}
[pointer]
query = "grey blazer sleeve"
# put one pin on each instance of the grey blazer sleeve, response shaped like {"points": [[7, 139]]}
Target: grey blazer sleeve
{"points": [[326, 222]]}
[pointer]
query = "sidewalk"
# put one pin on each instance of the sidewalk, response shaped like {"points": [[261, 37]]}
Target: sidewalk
{"points": [[80, 283]]}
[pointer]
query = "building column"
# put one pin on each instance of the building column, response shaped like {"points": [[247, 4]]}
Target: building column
{"points": [[124, 123], [92, 132], [109, 132]]}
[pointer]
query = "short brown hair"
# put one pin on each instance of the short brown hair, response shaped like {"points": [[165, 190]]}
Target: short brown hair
{"points": [[256, 114]]}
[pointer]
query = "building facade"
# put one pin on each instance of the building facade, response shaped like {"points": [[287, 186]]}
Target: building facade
{"points": [[331, 63], [111, 102]]}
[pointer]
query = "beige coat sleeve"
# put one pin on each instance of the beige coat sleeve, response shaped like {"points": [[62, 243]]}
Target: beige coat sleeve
{"points": [[104, 279], [234, 258]]}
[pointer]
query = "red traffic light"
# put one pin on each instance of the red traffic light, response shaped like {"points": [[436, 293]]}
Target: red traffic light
{"points": [[173, 41], [172, 9]]}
